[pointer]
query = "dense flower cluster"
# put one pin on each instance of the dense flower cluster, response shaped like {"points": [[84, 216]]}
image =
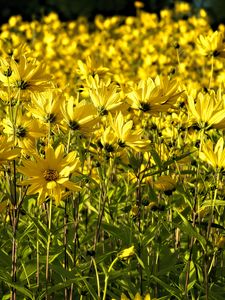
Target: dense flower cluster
{"points": [[120, 118]]}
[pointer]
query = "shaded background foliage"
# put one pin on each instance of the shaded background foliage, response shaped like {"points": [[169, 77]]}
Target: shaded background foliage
{"points": [[68, 9]]}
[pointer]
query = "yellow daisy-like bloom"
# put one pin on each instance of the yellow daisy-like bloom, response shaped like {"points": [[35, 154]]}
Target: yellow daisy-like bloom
{"points": [[136, 297], [80, 117], [105, 96], [47, 107], [207, 111], [212, 45], [24, 75], [24, 132], [49, 176], [91, 67], [154, 96], [214, 156], [126, 135], [6, 150], [127, 253]]}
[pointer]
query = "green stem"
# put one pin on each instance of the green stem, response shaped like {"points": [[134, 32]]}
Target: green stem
{"points": [[48, 246], [107, 277]]}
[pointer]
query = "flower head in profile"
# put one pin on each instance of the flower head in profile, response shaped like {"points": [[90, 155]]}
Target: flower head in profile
{"points": [[126, 135], [49, 176], [105, 96], [154, 96], [25, 75], [212, 45], [79, 117], [207, 111], [47, 107], [92, 66], [214, 155], [24, 132], [7, 152]]}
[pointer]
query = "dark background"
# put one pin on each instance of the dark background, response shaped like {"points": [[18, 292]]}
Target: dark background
{"points": [[71, 9]]}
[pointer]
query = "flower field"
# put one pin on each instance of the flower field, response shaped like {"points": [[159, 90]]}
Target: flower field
{"points": [[112, 157]]}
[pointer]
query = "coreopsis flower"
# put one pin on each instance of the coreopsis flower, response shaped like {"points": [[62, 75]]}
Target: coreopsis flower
{"points": [[108, 140], [92, 66], [80, 117], [165, 183], [212, 45], [49, 176], [207, 111], [127, 253], [136, 297], [154, 96], [24, 132], [7, 152], [25, 75], [126, 135], [105, 96], [214, 155], [47, 107]]}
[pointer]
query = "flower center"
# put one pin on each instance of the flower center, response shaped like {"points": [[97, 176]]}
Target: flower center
{"points": [[51, 175], [22, 84], [144, 106], [51, 118], [74, 125], [21, 131]]}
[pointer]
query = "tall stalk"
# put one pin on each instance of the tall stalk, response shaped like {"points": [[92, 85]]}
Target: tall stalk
{"points": [[47, 277]]}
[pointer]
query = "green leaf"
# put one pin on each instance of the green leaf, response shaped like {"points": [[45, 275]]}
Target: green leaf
{"points": [[172, 290], [22, 290], [210, 203], [190, 230], [156, 158]]}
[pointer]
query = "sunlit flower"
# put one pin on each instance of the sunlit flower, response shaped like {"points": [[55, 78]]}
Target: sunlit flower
{"points": [[92, 66], [47, 107], [206, 111], [154, 96], [7, 152], [105, 96], [213, 155], [24, 75], [24, 132], [212, 45], [79, 117], [126, 135], [49, 176]]}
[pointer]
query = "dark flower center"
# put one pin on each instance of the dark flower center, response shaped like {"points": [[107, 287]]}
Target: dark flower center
{"points": [[51, 175], [21, 131], [51, 118], [144, 106], [74, 125], [21, 84]]}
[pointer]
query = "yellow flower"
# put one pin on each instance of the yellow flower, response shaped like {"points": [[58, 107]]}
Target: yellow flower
{"points": [[126, 135], [47, 107], [214, 156], [212, 45], [49, 176], [24, 75], [136, 297], [6, 150], [127, 253], [165, 183], [139, 4], [24, 132], [105, 96], [207, 111], [154, 96], [91, 67], [108, 140], [80, 117]]}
